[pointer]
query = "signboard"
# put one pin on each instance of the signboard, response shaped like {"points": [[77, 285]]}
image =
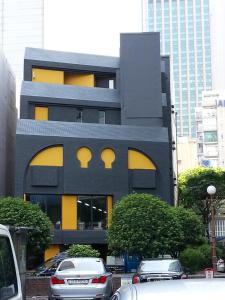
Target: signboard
{"points": [[209, 273], [221, 103]]}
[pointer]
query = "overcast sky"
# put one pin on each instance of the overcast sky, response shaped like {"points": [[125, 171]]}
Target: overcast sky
{"points": [[90, 26]]}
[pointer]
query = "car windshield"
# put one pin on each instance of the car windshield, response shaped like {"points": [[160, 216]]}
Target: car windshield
{"points": [[159, 266], [83, 265]]}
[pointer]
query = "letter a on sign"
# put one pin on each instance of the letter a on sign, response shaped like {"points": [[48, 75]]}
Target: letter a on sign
{"points": [[220, 103]]}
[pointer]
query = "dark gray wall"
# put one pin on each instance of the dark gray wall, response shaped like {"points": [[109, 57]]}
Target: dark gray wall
{"points": [[140, 79], [68, 61], [80, 237], [69, 113], [167, 120], [71, 179]]}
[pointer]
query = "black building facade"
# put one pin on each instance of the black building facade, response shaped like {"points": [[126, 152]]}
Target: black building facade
{"points": [[92, 129]]}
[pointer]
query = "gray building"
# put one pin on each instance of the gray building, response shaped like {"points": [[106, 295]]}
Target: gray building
{"points": [[184, 27], [8, 116], [92, 129]]}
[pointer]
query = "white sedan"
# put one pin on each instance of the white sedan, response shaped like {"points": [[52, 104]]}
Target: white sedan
{"points": [[81, 278], [187, 289]]}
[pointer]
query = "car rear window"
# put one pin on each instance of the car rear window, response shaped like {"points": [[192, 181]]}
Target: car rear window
{"points": [[159, 266], [83, 265], [66, 265], [175, 267], [8, 278]]}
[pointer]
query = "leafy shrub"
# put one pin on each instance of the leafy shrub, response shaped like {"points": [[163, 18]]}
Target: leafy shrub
{"points": [[82, 251], [198, 258], [192, 258], [17, 212]]}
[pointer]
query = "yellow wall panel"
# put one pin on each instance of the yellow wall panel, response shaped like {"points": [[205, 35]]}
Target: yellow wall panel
{"points": [[52, 156], [41, 113], [69, 212], [139, 161], [47, 76], [79, 79], [108, 156], [109, 208], [51, 251]]}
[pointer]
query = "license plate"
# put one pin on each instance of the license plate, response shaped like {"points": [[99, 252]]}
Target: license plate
{"points": [[77, 281]]}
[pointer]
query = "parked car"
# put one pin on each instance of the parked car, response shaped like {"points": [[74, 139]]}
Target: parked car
{"points": [[220, 265], [10, 285], [49, 267], [158, 269], [198, 289], [81, 278]]}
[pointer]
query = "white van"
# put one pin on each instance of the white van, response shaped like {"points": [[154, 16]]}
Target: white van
{"points": [[10, 285]]}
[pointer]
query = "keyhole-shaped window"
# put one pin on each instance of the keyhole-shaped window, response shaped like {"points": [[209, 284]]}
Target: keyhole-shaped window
{"points": [[84, 155], [108, 157]]}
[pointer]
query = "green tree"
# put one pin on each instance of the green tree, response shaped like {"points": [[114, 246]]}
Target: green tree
{"points": [[191, 229], [198, 258], [17, 212], [82, 251], [193, 191], [144, 225], [192, 259]]}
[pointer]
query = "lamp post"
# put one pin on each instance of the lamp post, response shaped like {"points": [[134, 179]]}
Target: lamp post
{"points": [[211, 190]]}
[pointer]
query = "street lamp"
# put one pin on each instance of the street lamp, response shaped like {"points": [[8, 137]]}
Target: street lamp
{"points": [[211, 190]]}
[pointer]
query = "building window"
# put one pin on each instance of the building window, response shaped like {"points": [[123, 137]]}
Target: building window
{"points": [[79, 116], [51, 205], [210, 137], [111, 84], [91, 212], [101, 117]]}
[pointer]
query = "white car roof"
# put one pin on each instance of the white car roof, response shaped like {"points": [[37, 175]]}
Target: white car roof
{"points": [[184, 289], [160, 259], [75, 259]]}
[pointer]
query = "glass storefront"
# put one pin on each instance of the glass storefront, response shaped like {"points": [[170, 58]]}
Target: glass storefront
{"points": [[91, 212], [51, 205]]}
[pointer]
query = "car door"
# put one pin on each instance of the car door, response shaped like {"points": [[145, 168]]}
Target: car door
{"points": [[10, 285]]}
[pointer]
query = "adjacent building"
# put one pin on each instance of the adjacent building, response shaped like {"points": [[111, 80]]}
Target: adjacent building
{"points": [[217, 24], [186, 154], [186, 36], [211, 129], [8, 116], [92, 129], [21, 25]]}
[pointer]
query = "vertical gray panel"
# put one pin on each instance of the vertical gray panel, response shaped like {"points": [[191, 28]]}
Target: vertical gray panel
{"points": [[90, 115], [112, 117], [140, 77], [62, 113], [101, 82]]}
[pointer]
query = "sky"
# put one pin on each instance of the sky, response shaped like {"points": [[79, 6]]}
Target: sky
{"points": [[90, 26]]}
